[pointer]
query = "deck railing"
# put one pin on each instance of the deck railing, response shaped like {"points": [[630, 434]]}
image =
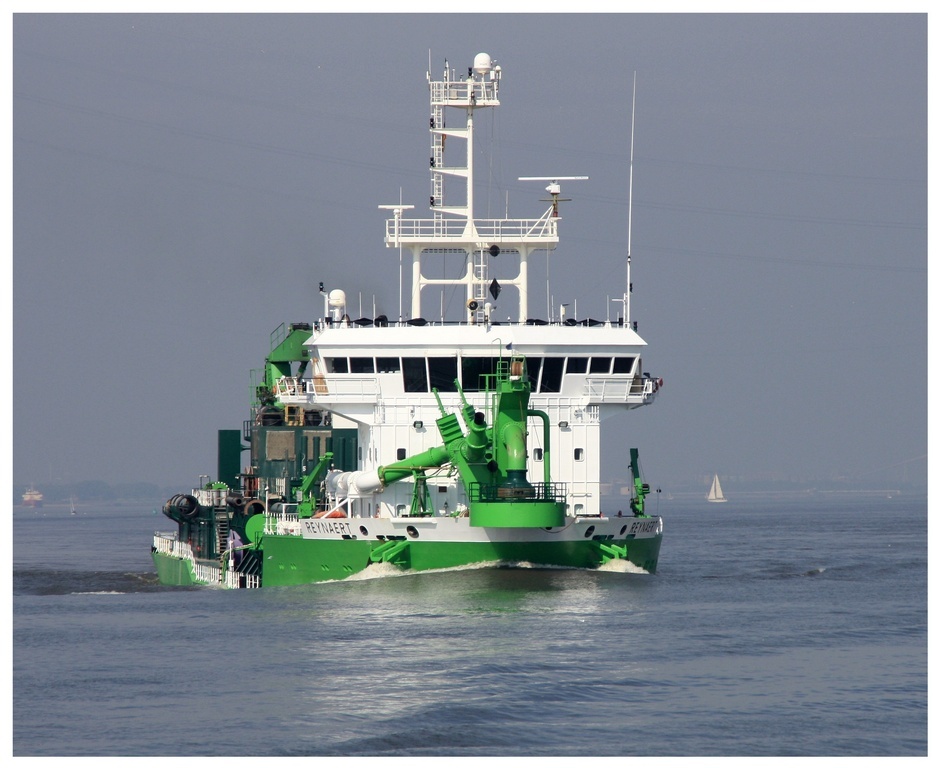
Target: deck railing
{"points": [[620, 389], [544, 229], [533, 492], [345, 385], [168, 544]]}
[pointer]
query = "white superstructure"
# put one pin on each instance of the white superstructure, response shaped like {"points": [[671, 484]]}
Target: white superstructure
{"points": [[379, 374]]}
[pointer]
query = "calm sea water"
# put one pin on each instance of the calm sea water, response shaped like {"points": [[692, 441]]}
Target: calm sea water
{"points": [[772, 628]]}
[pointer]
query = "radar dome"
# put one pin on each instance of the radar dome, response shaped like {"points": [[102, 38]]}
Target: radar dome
{"points": [[482, 63], [337, 298]]}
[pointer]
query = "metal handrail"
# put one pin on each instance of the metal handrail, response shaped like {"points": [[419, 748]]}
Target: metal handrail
{"points": [[500, 493], [542, 228]]}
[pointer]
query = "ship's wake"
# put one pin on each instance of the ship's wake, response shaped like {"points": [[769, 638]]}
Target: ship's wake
{"points": [[388, 570], [49, 581], [618, 565]]}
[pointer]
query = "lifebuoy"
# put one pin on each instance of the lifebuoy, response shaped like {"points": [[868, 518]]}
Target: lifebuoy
{"points": [[330, 513]]}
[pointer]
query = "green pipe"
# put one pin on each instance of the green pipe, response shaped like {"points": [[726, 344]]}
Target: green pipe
{"points": [[516, 455], [474, 449], [392, 473], [516, 448], [546, 423]]}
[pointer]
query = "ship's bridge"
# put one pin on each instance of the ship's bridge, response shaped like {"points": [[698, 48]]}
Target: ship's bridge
{"points": [[358, 367]]}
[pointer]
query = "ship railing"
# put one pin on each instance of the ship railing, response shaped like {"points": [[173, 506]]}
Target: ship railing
{"points": [[210, 497], [618, 389], [207, 574], [506, 231], [487, 492], [290, 386], [274, 522], [167, 543], [464, 92], [346, 385], [233, 580], [421, 322]]}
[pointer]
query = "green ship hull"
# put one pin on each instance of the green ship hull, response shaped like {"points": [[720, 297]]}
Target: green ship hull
{"points": [[174, 571], [298, 561], [293, 560]]}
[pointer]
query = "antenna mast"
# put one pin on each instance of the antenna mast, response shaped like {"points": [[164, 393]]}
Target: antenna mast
{"points": [[629, 229], [553, 189], [398, 210]]}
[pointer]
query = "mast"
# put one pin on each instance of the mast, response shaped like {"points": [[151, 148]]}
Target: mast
{"points": [[454, 226], [398, 210], [629, 228]]}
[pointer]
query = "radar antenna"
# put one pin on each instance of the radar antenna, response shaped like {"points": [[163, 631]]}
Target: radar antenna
{"points": [[554, 188]]}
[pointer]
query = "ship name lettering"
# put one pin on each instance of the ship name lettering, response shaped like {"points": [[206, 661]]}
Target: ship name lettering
{"points": [[323, 526], [647, 526]]}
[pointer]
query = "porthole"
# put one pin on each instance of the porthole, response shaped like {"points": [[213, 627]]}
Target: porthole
{"points": [[412, 532], [363, 530], [589, 532], [623, 530]]}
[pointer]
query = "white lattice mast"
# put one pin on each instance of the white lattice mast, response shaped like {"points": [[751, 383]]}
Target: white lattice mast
{"points": [[479, 89], [454, 226]]}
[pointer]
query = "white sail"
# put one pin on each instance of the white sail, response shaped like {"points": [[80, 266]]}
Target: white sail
{"points": [[716, 494]]}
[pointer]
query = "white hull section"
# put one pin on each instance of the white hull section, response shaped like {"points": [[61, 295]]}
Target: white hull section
{"points": [[458, 529]]}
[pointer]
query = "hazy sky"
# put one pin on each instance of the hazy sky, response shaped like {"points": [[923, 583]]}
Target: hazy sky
{"points": [[181, 184]]}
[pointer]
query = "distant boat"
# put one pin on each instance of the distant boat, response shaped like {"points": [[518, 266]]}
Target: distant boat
{"points": [[71, 503], [32, 498], [716, 494]]}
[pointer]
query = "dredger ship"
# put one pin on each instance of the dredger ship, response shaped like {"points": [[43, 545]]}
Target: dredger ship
{"points": [[418, 444]]}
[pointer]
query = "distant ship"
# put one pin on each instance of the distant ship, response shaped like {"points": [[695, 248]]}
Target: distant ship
{"points": [[716, 494], [32, 498]]}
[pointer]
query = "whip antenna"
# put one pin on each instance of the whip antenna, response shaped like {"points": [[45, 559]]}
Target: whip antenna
{"points": [[629, 227]]}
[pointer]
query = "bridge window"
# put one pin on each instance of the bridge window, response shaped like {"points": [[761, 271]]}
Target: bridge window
{"points": [[473, 370], [600, 364], [552, 370], [534, 368], [623, 364], [388, 364], [415, 374], [361, 365], [337, 364], [577, 364], [442, 373]]}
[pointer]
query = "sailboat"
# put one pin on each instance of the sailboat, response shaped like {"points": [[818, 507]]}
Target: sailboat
{"points": [[716, 494]]}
